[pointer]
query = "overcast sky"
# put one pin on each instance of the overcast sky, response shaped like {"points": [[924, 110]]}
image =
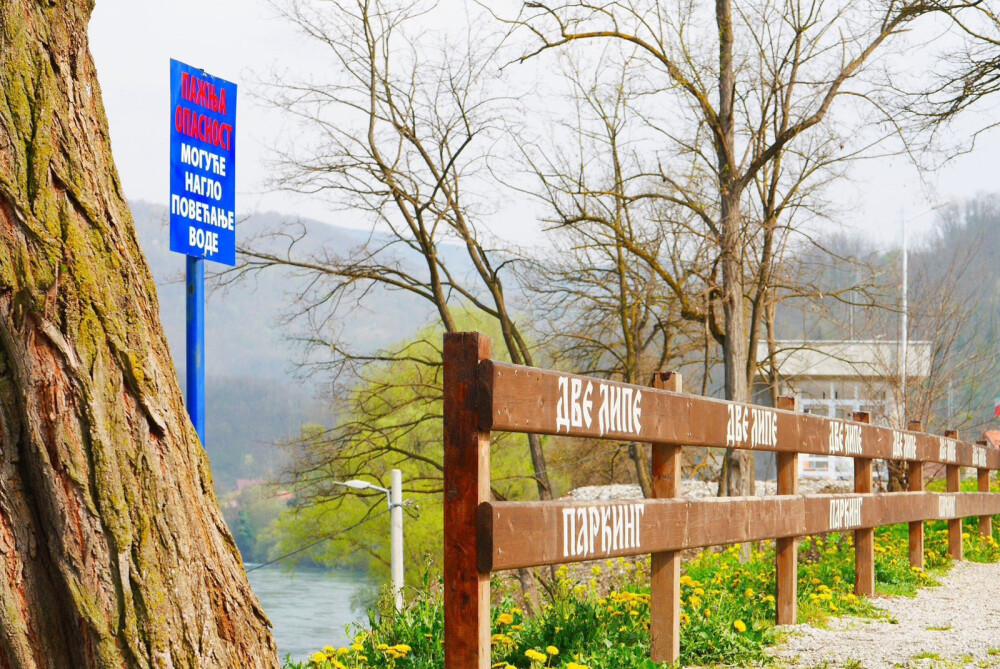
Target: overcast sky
{"points": [[133, 40]]}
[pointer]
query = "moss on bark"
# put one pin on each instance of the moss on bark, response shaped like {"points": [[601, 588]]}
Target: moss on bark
{"points": [[115, 552]]}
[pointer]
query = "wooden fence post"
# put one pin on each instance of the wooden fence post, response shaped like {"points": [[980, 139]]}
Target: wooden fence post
{"points": [[864, 539], [466, 486], [915, 483], [665, 568], [953, 474], [983, 477], [786, 548]]}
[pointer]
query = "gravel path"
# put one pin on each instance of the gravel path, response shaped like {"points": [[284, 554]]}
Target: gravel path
{"points": [[955, 625]]}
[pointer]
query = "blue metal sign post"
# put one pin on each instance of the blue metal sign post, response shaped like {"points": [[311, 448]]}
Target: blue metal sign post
{"points": [[196, 344], [202, 200]]}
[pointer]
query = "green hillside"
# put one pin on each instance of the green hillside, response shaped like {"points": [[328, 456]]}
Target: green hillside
{"points": [[255, 399]]}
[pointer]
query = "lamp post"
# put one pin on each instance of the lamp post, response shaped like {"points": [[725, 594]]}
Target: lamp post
{"points": [[394, 497]]}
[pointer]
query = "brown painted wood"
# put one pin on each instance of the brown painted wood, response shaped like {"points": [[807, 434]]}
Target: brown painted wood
{"points": [[985, 522], [916, 484], [527, 534], [466, 486], [665, 567], [916, 529], [864, 538], [525, 399], [953, 474], [482, 536], [786, 548]]}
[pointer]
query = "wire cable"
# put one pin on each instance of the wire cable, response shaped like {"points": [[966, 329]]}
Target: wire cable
{"points": [[317, 542]]}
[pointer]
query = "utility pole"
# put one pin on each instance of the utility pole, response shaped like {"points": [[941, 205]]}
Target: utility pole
{"points": [[394, 497], [396, 514], [903, 327]]}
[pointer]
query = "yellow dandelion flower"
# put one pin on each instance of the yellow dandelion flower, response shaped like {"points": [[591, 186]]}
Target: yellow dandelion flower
{"points": [[505, 619], [740, 626], [551, 650], [535, 656]]}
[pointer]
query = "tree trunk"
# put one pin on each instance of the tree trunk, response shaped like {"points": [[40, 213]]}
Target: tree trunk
{"points": [[643, 470], [738, 471], [114, 551]]}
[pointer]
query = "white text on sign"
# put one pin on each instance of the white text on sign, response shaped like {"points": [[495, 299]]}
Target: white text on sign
{"points": [[203, 160], [947, 507], [947, 449], [845, 438], [979, 457], [845, 513], [601, 529], [904, 446], [751, 426], [619, 407]]}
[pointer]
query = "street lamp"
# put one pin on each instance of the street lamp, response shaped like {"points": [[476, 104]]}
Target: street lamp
{"points": [[394, 497]]}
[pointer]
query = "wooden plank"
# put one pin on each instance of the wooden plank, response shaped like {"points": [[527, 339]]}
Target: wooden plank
{"points": [[527, 534], [864, 538], [466, 486], [985, 522], [525, 399], [786, 548], [983, 481], [916, 484], [665, 567], [953, 474]]}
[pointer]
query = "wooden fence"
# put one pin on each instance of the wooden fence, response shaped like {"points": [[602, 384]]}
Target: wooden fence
{"points": [[482, 536]]}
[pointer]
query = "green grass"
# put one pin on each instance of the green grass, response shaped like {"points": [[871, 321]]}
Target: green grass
{"points": [[927, 655], [727, 608]]}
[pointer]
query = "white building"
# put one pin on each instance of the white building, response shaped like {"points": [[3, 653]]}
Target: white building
{"points": [[837, 378]]}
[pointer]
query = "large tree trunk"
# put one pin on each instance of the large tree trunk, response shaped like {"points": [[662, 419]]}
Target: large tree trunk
{"points": [[113, 550], [738, 475]]}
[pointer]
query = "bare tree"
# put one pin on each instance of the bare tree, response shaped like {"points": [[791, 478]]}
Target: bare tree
{"points": [[399, 138], [972, 73], [746, 89], [604, 313]]}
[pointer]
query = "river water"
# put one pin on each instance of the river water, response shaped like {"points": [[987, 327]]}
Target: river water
{"points": [[309, 608]]}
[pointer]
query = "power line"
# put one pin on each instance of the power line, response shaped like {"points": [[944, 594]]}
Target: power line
{"points": [[317, 542]]}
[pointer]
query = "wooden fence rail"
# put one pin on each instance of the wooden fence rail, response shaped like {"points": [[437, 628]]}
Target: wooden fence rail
{"points": [[482, 536]]}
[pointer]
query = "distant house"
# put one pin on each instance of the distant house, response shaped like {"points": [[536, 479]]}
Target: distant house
{"points": [[836, 379]]}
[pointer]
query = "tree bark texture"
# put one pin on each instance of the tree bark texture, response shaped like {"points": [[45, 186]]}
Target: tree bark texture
{"points": [[739, 465], [113, 550]]}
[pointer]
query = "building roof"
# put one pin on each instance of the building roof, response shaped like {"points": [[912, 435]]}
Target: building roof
{"points": [[848, 359]]}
